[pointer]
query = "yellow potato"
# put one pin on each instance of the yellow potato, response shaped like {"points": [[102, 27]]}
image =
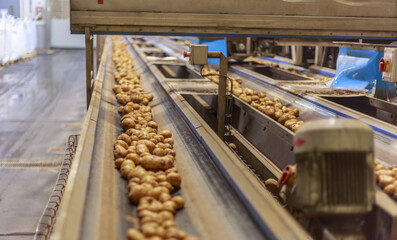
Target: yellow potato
{"points": [[179, 202]]}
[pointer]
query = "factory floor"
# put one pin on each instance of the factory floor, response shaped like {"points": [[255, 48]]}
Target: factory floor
{"points": [[42, 102]]}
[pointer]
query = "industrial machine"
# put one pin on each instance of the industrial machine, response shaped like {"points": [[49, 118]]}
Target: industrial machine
{"points": [[335, 174], [224, 178]]}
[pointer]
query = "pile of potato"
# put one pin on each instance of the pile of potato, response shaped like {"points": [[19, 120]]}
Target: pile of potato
{"points": [[386, 178], [271, 107], [145, 156]]}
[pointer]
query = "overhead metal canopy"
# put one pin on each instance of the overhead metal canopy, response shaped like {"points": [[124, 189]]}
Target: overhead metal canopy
{"points": [[281, 18]]}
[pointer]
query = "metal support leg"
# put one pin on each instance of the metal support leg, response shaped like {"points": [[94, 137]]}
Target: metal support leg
{"points": [[318, 56], [89, 63], [222, 96]]}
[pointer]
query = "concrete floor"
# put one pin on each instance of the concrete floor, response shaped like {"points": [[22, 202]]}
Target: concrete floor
{"points": [[42, 102]]}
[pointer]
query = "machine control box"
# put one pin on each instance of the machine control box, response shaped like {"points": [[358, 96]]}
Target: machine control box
{"points": [[388, 65], [198, 54]]}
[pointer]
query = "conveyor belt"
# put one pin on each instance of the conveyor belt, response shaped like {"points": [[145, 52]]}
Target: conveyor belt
{"points": [[95, 204]]}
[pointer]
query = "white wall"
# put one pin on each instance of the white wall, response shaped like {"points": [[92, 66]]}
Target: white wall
{"points": [[62, 38]]}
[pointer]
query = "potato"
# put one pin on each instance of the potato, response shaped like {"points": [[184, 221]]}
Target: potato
{"points": [[152, 124], [165, 216], [156, 163], [290, 122], [148, 219], [166, 133], [272, 185], [285, 118], [166, 185], [171, 170], [121, 110], [159, 152], [141, 148], [134, 157], [167, 145], [390, 189], [127, 123], [150, 179], [179, 202], [149, 229], [169, 206], [138, 172], [168, 223], [156, 206], [127, 162], [277, 99], [164, 197], [169, 141], [119, 152], [295, 112], [172, 232], [145, 213], [150, 145], [125, 170], [385, 180], [121, 143], [170, 152], [269, 110], [159, 138], [379, 167], [117, 89], [174, 179], [278, 114], [137, 193], [118, 162], [133, 234]]}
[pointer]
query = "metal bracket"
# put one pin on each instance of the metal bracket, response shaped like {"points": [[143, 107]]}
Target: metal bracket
{"points": [[89, 63]]}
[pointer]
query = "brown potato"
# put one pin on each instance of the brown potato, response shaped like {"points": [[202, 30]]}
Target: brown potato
{"points": [[141, 148], [165, 216], [172, 232], [150, 145], [159, 152], [128, 123], [390, 189], [170, 152], [156, 206], [285, 118], [134, 157], [159, 138], [156, 163], [149, 229], [385, 180], [127, 162], [121, 109], [137, 193], [179, 202], [166, 133], [168, 223], [121, 143], [125, 170], [119, 152], [133, 234], [169, 141], [174, 179], [118, 162], [138, 172], [272, 185], [166, 185], [169, 206], [164, 197], [269, 110]]}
